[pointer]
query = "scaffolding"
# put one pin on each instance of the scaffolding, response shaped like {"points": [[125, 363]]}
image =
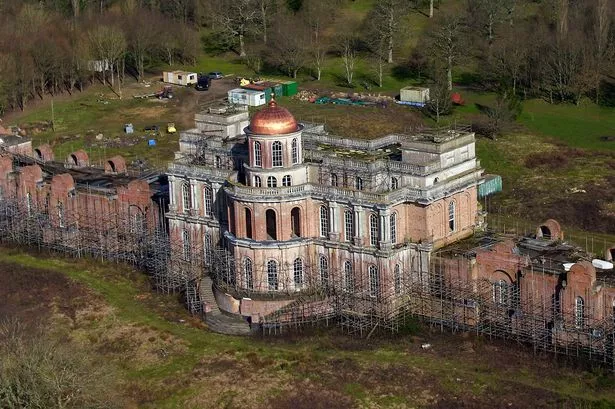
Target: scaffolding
{"points": [[527, 315]]}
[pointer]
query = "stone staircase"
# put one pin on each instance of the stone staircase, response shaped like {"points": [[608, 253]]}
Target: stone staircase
{"points": [[217, 320]]}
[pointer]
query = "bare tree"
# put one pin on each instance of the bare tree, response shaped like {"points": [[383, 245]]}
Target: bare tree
{"points": [[290, 47], [386, 20], [109, 44], [236, 18], [142, 35], [348, 52], [445, 43], [266, 7], [439, 95]]}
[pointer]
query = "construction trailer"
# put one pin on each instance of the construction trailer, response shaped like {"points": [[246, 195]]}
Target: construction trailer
{"points": [[247, 97], [184, 78], [414, 95]]}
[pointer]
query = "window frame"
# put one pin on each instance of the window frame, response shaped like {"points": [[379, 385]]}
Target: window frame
{"points": [[277, 158], [258, 154]]}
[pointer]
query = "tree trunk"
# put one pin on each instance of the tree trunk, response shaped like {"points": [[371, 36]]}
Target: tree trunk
{"points": [[449, 74], [112, 76], [242, 48], [318, 74], [430, 8], [264, 18], [390, 33]]}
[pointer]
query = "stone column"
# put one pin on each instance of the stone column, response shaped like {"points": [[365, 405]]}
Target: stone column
{"points": [[385, 229], [215, 202], [358, 225], [334, 210], [194, 202], [172, 199]]}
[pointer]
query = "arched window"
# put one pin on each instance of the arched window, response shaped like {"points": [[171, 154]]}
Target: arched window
{"points": [[324, 270], [295, 222], [298, 273], [187, 246], [579, 312], [248, 275], [272, 233], [276, 153], [333, 179], [248, 214], [272, 275], [208, 200], [272, 181], [374, 281], [394, 183], [29, 203], [397, 279], [186, 196], [258, 159], [60, 214], [257, 181], [393, 223], [373, 229], [207, 249], [348, 225], [218, 162], [45, 204], [324, 221], [359, 183], [501, 292], [295, 151], [348, 276], [451, 216], [286, 180]]}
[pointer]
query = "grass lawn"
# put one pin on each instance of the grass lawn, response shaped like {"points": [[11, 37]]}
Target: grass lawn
{"points": [[128, 325]]}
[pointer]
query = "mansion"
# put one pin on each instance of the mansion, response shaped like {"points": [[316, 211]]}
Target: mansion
{"points": [[299, 209]]}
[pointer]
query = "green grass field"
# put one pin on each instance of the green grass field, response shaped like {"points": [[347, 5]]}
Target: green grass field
{"points": [[319, 369]]}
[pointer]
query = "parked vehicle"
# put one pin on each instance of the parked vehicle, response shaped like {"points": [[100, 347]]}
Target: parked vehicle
{"points": [[202, 83], [215, 75], [153, 128]]}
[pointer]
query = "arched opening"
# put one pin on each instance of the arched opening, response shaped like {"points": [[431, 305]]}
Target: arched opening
{"points": [[324, 271], [374, 282], [186, 196], [324, 221], [333, 179], [295, 151], [393, 227], [272, 181], [257, 181], [112, 166], [452, 225], [545, 232], [249, 224], [579, 312], [295, 222], [272, 233], [348, 276], [218, 162], [612, 253], [394, 183], [276, 154], [258, 161], [39, 154], [74, 158], [359, 183], [248, 277], [208, 200], [348, 225], [373, 230], [286, 181]]}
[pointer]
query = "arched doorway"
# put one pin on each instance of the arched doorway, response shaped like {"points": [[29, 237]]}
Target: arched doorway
{"points": [[545, 232], [270, 217], [295, 222]]}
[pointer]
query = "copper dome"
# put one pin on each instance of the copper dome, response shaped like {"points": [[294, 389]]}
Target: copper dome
{"points": [[273, 120]]}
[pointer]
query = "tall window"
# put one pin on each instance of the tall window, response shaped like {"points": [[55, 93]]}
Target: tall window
{"points": [[29, 203], [295, 151], [394, 183], [248, 275], [248, 215], [187, 249], [348, 276], [374, 281], [393, 220], [218, 162], [286, 180], [272, 275], [257, 181], [397, 279], [324, 271], [208, 250], [272, 181], [359, 183], [258, 160], [451, 216], [45, 204], [186, 196], [298, 273], [579, 312], [333, 179], [60, 214], [373, 229], [324, 221], [500, 292], [348, 225], [276, 153], [207, 200], [295, 222], [270, 221]]}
